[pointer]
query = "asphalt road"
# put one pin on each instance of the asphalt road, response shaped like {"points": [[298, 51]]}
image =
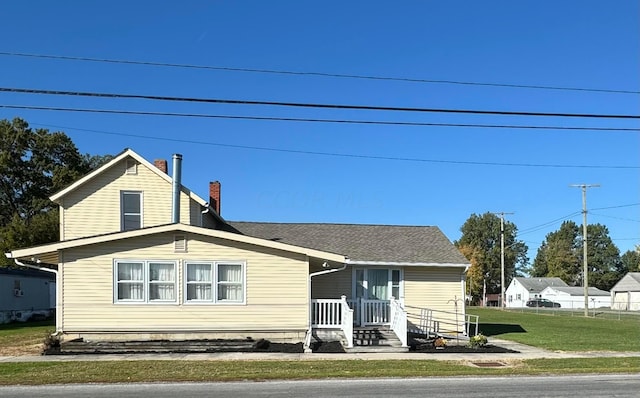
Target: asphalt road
{"points": [[477, 387]]}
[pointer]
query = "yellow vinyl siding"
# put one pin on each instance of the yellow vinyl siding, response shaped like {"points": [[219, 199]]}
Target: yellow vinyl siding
{"points": [[94, 207], [433, 288], [332, 286], [276, 289]]}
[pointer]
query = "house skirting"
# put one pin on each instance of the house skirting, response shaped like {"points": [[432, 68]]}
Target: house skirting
{"points": [[276, 336]]}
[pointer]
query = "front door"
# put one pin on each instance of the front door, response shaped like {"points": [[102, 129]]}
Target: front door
{"points": [[374, 287]]}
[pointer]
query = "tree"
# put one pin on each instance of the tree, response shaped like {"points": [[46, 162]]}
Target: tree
{"points": [[603, 258], [33, 165], [630, 262], [561, 255], [558, 256], [480, 243]]}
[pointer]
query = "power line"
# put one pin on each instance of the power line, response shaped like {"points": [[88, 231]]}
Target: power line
{"points": [[617, 218], [319, 74], [542, 226], [311, 105], [334, 154], [616, 207], [342, 121]]}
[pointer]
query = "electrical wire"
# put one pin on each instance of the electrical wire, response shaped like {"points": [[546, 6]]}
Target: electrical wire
{"points": [[617, 218], [334, 154], [342, 121], [616, 207], [542, 226], [319, 74], [311, 105]]}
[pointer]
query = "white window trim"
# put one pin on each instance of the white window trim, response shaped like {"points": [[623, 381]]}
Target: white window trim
{"points": [[146, 283], [214, 283], [122, 213]]}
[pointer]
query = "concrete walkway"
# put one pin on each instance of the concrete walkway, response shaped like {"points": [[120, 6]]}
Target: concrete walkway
{"points": [[524, 352]]}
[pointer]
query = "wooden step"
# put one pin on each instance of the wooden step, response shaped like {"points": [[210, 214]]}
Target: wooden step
{"points": [[162, 346], [375, 337]]}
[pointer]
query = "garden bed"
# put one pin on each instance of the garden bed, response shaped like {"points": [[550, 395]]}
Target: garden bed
{"points": [[460, 349]]}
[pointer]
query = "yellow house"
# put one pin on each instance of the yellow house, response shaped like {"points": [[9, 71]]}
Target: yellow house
{"points": [[140, 256]]}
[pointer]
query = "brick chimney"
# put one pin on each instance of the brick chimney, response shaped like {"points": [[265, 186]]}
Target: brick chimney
{"points": [[161, 164], [214, 195]]}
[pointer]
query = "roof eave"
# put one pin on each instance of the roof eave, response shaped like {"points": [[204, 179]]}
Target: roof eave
{"points": [[409, 264], [127, 152], [52, 248]]}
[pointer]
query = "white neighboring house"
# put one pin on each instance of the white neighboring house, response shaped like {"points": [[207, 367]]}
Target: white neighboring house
{"points": [[521, 289], [625, 295], [572, 297]]}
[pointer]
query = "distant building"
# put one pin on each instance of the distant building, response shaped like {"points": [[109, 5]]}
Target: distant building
{"points": [[521, 290], [25, 294], [573, 297], [625, 295]]}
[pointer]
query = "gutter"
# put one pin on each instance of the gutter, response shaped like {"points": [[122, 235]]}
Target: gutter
{"points": [[53, 271], [307, 342]]}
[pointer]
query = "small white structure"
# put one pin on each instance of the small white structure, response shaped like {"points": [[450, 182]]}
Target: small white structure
{"points": [[521, 290], [573, 297], [625, 295]]}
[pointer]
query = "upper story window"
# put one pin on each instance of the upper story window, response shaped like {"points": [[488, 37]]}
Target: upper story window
{"points": [[131, 210]]}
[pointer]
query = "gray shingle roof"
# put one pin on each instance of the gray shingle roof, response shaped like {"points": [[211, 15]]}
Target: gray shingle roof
{"points": [[362, 242], [539, 284], [635, 276], [579, 291], [628, 283]]}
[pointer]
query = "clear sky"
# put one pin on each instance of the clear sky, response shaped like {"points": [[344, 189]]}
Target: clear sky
{"points": [[391, 174]]}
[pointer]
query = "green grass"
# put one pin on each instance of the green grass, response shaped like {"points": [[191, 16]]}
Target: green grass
{"points": [[24, 338], [152, 371], [546, 329]]}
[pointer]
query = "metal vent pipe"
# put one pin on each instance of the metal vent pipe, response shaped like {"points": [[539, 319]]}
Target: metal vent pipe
{"points": [[177, 183]]}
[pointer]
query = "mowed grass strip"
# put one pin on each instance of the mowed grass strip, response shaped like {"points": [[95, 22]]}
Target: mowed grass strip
{"points": [[545, 330], [33, 373], [24, 338]]}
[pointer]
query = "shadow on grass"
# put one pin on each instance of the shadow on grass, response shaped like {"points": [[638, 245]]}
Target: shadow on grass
{"points": [[495, 329], [26, 325]]}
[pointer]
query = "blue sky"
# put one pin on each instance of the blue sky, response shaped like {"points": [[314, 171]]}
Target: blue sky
{"points": [[456, 171]]}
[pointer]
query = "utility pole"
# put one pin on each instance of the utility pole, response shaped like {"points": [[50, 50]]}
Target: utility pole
{"points": [[585, 270], [502, 214]]}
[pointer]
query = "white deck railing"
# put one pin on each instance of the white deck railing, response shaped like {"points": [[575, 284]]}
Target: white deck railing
{"points": [[375, 312], [333, 314], [399, 321], [347, 321], [326, 313], [339, 314]]}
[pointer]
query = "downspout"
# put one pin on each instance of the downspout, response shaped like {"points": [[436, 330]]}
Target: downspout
{"points": [[202, 213], [311, 275], [53, 271]]}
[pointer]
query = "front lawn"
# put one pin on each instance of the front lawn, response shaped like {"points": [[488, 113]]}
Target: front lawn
{"points": [[24, 338], [201, 371], [564, 333]]}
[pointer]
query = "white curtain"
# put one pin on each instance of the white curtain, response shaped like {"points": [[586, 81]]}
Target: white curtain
{"points": [[162, 278], [378, 283], [230, 282], [199, 282], [130, 281]]}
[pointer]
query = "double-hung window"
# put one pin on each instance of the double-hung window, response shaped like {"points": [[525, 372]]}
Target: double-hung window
{"points": [[130, 210], [144, 281], [215, 282]]}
